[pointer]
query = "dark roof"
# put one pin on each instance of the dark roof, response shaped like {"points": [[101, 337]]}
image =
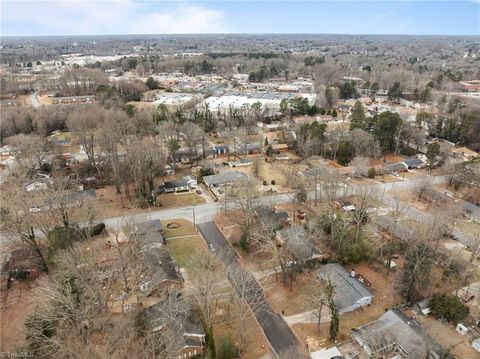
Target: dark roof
{"points": [[161, 265], [143, 228], [294, 238], [266, 213], [186, 325], [81, 195], [176, 183], [414, 162], [397, 167], [407, 334], [348, 290], [225, 177]]}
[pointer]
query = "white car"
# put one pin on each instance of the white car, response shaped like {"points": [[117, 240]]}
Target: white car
{"points": [[35, 210]]}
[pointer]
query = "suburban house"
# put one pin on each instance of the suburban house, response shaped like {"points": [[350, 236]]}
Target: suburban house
{"points": [[150, 233], [221, 150], [240, 163], [76, 198], [394, 335], [279, 148], [184, 184], [272, 126], [75, 99], [414, 162], [249, 148], [161, 273], [350, 294], [270, 216], [225, 178], [396, 167], [188, 328], [300, 247]]}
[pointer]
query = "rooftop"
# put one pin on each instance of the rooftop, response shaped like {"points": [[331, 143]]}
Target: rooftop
{"points": [[225, 178], [348, 290]]}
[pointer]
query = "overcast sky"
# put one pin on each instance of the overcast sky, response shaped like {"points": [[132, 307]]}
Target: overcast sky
{"points": [[78, 17]]}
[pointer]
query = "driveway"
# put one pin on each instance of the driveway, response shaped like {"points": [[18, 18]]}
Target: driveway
{"points": [[279, 335]]}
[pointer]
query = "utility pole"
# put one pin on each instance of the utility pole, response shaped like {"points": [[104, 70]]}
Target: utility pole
{"points": [[193, 215]]}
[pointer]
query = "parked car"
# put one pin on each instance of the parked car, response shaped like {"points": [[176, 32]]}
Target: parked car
{"points": [[212, 248], [198, 191]]}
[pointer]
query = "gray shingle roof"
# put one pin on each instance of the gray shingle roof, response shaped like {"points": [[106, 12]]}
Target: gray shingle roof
{"points": [[348, 290], [394, 324], [225, 178]]}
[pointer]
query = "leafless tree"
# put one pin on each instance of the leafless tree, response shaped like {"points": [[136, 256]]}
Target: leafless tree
{"points": [[205, 276], [250, 298], [315, 299]]}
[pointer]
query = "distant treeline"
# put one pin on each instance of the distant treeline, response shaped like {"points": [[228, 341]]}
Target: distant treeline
{"points": [[250, 55]]}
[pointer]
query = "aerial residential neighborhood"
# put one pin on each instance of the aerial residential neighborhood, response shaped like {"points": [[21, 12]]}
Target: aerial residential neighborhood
{"points": [[219, 180]]}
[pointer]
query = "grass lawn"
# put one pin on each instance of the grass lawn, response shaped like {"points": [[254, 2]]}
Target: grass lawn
{"points": [[182, 249], [185, 228], [387, 179], [272, 171], [172, 200]]}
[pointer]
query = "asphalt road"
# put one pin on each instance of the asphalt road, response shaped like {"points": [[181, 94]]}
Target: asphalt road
{"points": [[279, 335]]}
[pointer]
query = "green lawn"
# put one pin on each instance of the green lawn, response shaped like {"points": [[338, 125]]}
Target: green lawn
{"points": [[182, 249]]}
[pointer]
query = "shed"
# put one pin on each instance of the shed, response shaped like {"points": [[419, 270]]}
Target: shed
{"points": [[221, 150], [350, 294]]}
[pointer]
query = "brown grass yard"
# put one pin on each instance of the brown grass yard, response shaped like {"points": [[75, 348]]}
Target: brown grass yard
{"points": [[182, 249]]}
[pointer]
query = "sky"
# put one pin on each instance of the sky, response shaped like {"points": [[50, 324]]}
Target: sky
{"points": [[118, 17]]}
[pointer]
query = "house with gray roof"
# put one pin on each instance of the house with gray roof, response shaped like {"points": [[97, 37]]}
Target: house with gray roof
{"points": [[396, 167], [414, 162], [150, 233], [394, 335], [294, 238], [186, 326], [350, 294], [225, 178]]}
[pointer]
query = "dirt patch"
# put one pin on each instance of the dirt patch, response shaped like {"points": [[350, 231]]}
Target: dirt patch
{"points": [[17, 304], [226, 325], [288, 299]]}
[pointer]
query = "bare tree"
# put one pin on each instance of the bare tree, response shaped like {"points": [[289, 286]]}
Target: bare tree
{"points": [[250, 298], [205, 274], [316, 299]]}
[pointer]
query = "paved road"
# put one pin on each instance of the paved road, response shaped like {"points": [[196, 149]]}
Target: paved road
{"points": [[279, 335]]}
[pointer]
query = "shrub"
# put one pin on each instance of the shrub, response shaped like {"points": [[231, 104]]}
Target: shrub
{"points": [[97, 229], [243, 244], [264, 183], [448, 307], [227, 348], [372, 172], [273, 182]]}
